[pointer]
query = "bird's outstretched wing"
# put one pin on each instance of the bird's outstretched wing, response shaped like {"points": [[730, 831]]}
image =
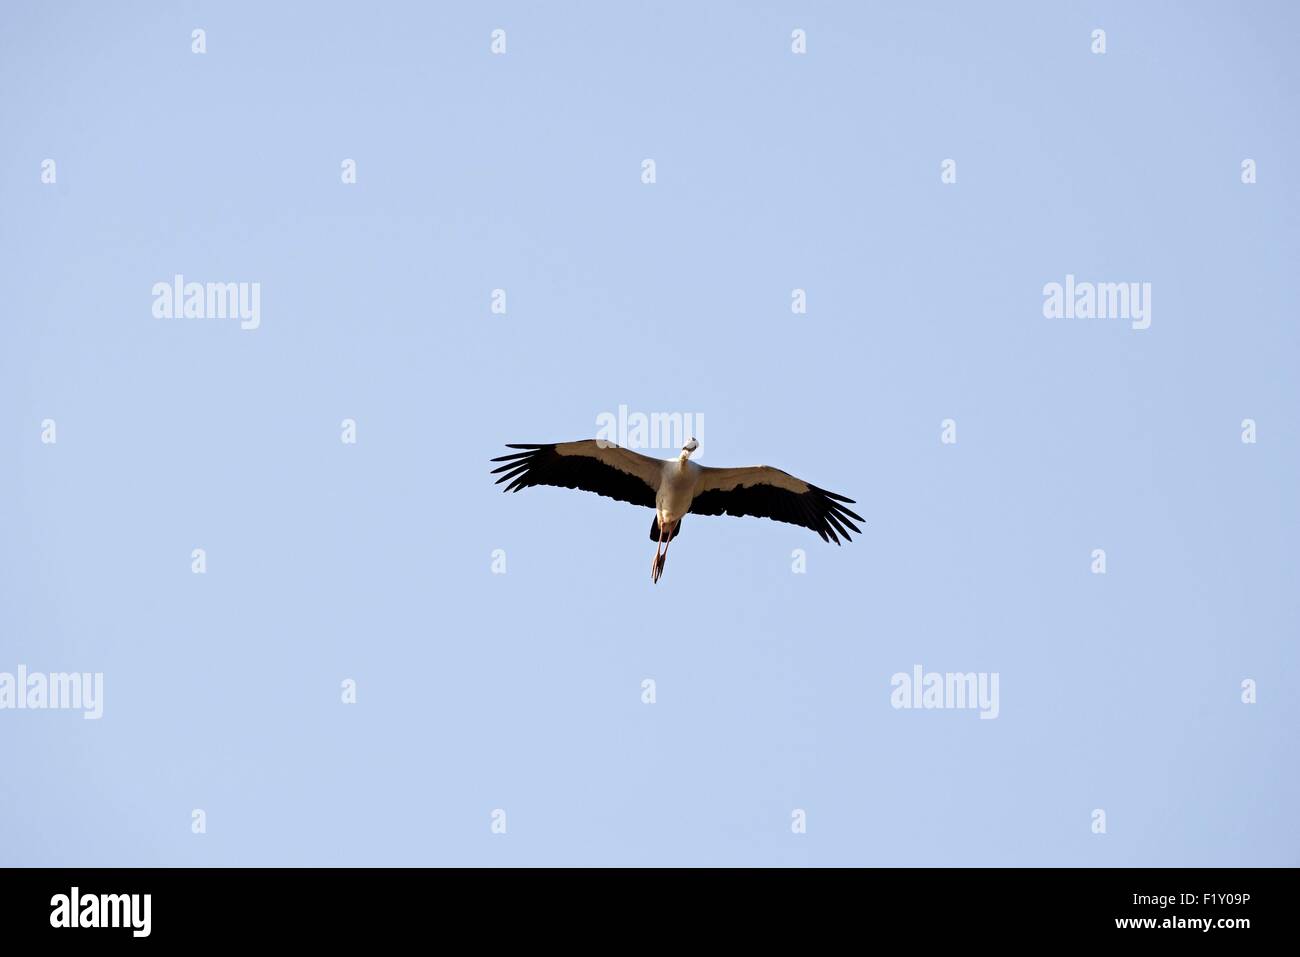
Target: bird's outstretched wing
{"points": [[770, 493], [600, 467]]}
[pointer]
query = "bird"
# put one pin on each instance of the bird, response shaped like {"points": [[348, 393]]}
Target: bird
{"points": [[676, 487]]}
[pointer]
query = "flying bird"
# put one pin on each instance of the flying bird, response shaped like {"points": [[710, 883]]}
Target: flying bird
{"points": [[674, 487]]}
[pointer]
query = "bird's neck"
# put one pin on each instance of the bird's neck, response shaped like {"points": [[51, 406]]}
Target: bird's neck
{"points": [[683, 459]]}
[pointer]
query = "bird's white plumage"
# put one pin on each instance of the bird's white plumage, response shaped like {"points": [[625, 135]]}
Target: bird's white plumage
{"points": [[726, 480], [677, 482]]}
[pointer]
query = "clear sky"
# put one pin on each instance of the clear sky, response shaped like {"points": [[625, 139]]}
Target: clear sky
{"points": [[774, 171]]}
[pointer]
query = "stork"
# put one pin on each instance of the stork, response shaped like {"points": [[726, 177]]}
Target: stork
{"points": [[677, 486]]}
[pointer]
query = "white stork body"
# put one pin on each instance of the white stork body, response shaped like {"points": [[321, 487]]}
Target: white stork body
{"points": [[678, 486], [676, 490]]}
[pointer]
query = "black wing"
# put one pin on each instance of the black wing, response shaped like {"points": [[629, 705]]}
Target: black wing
{"points": [[603, 468], [766, 492]]}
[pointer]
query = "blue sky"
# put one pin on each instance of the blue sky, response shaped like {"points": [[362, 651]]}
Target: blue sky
{"points": [[523, 691]]}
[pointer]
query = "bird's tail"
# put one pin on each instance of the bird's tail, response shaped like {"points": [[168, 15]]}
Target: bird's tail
{"points": [[654, 530]]}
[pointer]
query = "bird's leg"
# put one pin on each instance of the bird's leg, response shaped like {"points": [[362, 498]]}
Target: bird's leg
{"points": [[654, 562], [660, 560], [668, 542]]}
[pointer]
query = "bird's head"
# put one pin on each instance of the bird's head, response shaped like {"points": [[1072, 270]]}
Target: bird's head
{"points": [[688, 448]]}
